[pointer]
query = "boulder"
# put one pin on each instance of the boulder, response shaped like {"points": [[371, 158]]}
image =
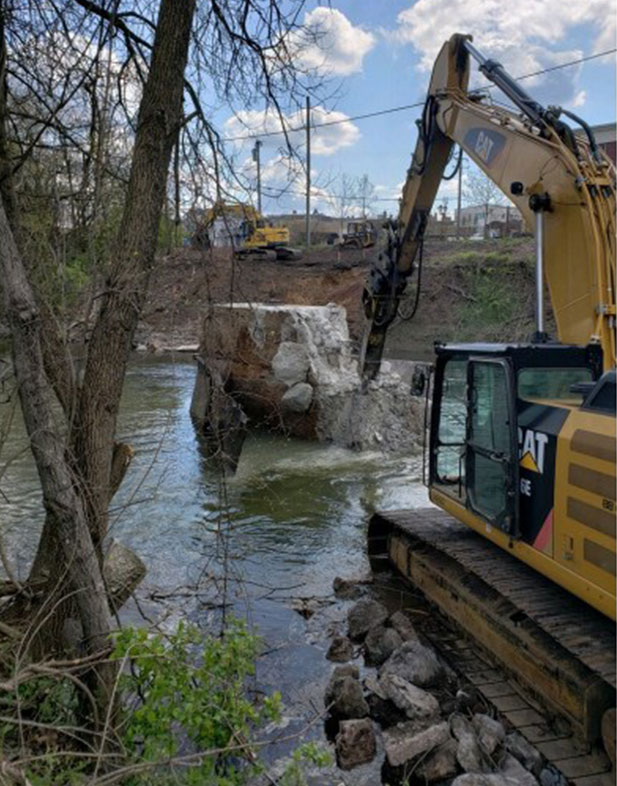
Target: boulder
{"points": [[379, 644], [439, 764], [355, 743], [416, 703], [384, 711], [550, 776], [468, 752], [403, 626], [408, 740], [514, 771], [346, 589], [345, 699], [479, 779], [291, 363], [123, 570], [364, 615], [521, 749], [489, 733], [341, 649], [416, 663], [348, 670], [298, 398]]}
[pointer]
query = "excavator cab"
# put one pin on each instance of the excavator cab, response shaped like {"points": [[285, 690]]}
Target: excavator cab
{"points": [[518, 451]]}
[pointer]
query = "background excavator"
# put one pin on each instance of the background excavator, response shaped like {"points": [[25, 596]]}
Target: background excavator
{"points": [[522, 436], [246, 230]]}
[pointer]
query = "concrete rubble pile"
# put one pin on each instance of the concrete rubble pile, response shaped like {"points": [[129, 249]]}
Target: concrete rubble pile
{"points": [[291, 369], [405, 704]]}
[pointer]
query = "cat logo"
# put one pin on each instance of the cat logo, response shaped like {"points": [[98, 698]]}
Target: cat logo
{"points": [[485, 143], [483, 146], [532, 449]]}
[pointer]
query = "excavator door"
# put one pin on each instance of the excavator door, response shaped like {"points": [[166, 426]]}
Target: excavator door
{"points": [[491, 450]]}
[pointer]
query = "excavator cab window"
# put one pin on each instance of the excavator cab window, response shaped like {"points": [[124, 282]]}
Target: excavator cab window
{"points": [[450, 450], [490, 445], [552, 383]]}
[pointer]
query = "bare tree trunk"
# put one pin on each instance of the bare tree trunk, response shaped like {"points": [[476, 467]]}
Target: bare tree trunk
{"points": [[65, 511], [94, 424], [160, 115]]}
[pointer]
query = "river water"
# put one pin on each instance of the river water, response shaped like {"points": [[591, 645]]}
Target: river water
{"points": [[264, 543]]}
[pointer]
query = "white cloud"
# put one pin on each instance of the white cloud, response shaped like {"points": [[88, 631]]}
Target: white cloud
{"points": [[330, 43], [579, 99], [525, 38], [325, 141]]}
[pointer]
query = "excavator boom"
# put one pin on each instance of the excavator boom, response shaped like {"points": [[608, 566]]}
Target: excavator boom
{"points": [[562, 185]]}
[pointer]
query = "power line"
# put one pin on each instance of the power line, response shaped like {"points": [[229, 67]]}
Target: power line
{"points": [[406, 107]]}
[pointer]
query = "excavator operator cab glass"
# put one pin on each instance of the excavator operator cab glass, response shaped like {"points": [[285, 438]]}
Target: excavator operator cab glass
{"points": [[490, 447], [552, 383], [492, 405], [450, 449]]}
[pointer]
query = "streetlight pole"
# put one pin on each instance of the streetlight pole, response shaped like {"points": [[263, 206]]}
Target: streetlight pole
{"points": [[257, 159], [308, 172]]}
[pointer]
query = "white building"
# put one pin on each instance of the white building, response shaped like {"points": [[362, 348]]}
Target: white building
{"points": [[490, 220]]}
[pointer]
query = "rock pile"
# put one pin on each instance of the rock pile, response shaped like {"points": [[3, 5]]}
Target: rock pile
{"points": [[291, 368], [407, 702]]}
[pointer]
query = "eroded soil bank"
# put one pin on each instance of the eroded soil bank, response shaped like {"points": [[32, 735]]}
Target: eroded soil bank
{"points": [[481, 290]]}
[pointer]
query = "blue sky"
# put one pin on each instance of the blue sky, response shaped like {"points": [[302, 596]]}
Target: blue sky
{"points": [[379, 56]]}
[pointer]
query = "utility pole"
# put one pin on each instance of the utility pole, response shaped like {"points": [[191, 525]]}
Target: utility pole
{"points": [[256, 158], [458, 199], [308, 171]]}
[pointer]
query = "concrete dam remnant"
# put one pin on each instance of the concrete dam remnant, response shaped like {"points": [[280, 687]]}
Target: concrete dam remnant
{"points": [[290, 368]]}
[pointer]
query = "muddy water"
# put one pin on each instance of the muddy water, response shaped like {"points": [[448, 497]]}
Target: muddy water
{"points": [[262, 544]]}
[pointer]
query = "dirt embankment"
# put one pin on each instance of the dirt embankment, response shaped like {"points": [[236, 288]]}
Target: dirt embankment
{"points": [[470, 291]]}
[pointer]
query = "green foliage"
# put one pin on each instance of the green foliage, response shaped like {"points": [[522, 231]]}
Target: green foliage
{"points": [[181, 694], [191, 691], [307, 754]]}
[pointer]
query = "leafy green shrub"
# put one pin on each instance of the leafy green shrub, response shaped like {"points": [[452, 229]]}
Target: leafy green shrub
{"points": [[188, 691], [180, 695]]}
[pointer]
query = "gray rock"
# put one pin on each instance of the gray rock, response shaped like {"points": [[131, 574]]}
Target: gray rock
{"points": [[414, 662], [550, 776], [489, 732], [291, 363], [379, 644], [123, 571], [345, 699], [363, 616], [416, 703], [408, 740], [355, 743], [341, 649], [298, 398], [514, 771], [440, 764], [403, 626], [478, 779], [468, 752], [348, 670], [346, 589], [521, 749]]}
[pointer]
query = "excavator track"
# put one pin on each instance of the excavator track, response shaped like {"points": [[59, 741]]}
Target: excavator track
{"points": [[558, 648]]}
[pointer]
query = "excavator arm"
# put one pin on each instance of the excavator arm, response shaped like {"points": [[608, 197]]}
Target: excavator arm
{"points": [[563, 186]]}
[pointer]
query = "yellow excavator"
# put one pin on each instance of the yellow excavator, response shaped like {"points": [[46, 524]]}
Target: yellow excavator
{"points": [[520, 453], [243, 228], [522, 435]]}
